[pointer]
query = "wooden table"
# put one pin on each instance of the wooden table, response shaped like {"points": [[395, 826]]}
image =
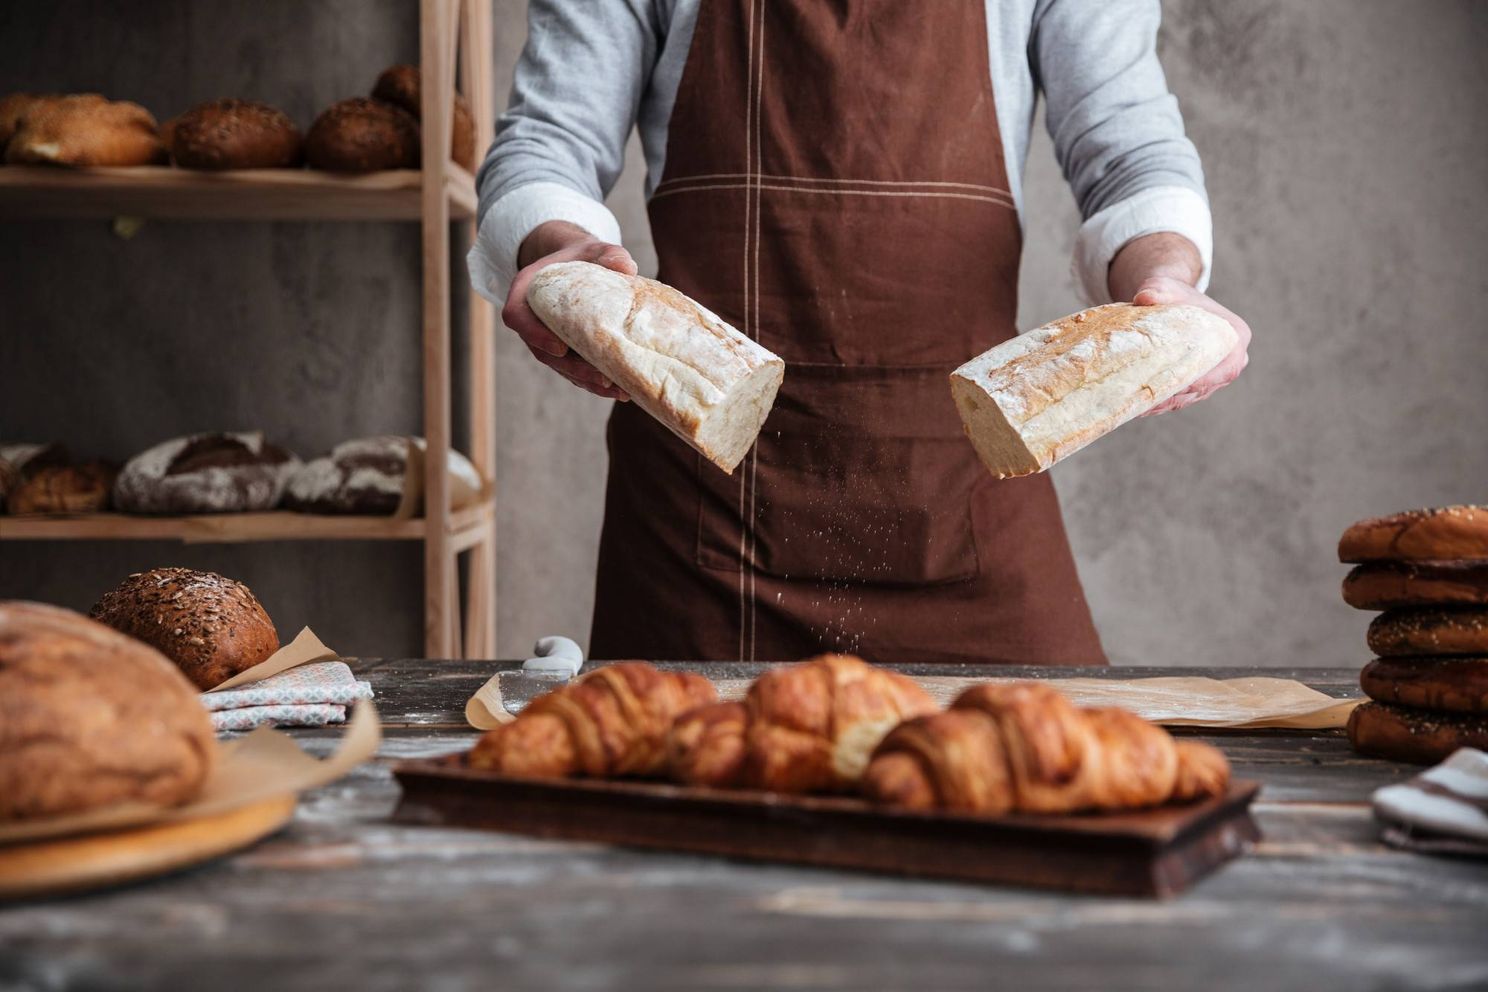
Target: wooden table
{"points": [[343, 899]]}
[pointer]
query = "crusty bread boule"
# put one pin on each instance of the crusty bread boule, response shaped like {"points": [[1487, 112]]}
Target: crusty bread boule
{"points": [[234, 134], [68, 488], [211, 626], [84, 129], [363, 135], [205, 473], [399, 84], [89, 718]]}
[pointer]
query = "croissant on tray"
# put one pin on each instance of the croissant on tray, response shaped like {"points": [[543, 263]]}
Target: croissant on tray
{"points": [[805, 728], [609, 723], [1023, 747]]}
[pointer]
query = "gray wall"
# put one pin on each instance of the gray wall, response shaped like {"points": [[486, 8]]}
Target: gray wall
{"points": [[1344, 142]]}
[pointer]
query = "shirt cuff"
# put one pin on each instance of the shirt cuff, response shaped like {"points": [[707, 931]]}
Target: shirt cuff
{"points": [[492, 260], [1175, 209]]}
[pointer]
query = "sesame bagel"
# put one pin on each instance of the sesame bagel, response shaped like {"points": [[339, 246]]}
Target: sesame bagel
{"points": [[1388, 585], [1440, 683], [1448, 533], [1420, 737], [1430, 630]]}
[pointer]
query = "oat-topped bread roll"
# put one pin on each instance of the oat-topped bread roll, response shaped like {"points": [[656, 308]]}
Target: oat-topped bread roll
{"points": [[362, 135], [399, 85], [377, 475], [1444, 533], [234, 134], [85, 130], [609, 723], [205, 473], [1040, 397], [211, 627], [89, 718], [803, 728], [1023, 747], [707, 383]]}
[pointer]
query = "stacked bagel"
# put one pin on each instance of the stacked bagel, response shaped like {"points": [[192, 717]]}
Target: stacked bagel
{"points": [[1427, 571]]}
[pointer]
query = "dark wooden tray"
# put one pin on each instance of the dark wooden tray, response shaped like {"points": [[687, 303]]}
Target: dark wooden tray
{"points": [[1157, 852]]}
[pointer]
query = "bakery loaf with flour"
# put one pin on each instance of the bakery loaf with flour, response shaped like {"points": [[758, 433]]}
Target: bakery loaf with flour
{"points": [[1039, 397], [205, 473], [210, 626], [89, 718], [381, 475], [703, 380]]}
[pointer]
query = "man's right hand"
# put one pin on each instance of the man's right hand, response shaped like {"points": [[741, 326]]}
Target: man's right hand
{"points": [[548, 244]]}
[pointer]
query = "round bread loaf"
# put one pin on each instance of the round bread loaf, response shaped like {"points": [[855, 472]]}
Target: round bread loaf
{"points": [[205, 473], [81, 488], [1430, 630], [1448, 533], [212, 627], [234, 134], [86, 130], [1388, 585], [1442, 683], [13, 107], [362, 135], [399, 85], [1421, 737], [367, 475], [89, 718], [18, 458]]}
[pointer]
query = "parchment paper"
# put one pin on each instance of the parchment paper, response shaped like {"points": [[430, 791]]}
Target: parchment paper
{"points": [[260, 765], [1174, 701], [305, 648]]}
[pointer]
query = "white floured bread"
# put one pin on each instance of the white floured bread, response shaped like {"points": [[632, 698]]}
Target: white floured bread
{"points": [[382, 475], [1040, 397], [706, 382], [205, 473]]}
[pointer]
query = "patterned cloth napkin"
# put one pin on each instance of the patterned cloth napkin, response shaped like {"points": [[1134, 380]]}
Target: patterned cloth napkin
{"points": [[1444, 810], [311, 695]]}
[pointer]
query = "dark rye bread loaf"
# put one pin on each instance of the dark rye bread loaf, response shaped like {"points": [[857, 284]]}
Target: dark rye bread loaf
{"points": [[1430, 630], [1421, 737], [362, 135], [1388, 585], [1446, 533], [1441, 683], [211, 627], [205, 473], [89, 718]]}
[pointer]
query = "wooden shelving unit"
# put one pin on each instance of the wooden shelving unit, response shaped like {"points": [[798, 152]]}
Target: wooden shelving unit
{"points": [[454, 41]]}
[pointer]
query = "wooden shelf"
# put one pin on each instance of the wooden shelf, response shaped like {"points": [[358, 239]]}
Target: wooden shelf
{"points": [[162, 192], [234, 528]]}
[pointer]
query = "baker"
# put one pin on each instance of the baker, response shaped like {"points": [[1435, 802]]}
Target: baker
{"points": [[841, 181]]}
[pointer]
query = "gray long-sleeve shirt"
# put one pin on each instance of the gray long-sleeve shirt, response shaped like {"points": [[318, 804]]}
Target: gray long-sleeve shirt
{"points": [[594, 68]]}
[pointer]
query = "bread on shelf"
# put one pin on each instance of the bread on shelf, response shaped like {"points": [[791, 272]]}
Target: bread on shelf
{"points": [[85, 130], [205, 473], [400, 86], [90, 718], [380, 475], [363, 135], [234, 134]]}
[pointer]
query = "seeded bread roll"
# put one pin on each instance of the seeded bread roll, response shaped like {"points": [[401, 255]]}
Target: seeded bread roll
{"points": [[1446, 533], [1420, 737], [1388, 585], [234, 134], [211, 627], [703, 380], [1430, 630], [89, 718], [205, 473], [85, 130], [399, 85], [362, 135], [1439, 683], [1041, 396], [80, 488]]}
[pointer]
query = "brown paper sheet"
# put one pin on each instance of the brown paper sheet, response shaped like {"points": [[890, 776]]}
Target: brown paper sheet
{"points": [[1174, 701], [260, 765], [305, 648]]}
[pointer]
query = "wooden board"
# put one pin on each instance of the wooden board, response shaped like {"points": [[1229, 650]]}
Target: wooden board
{"points": [[1148, 853], [92, 861]]}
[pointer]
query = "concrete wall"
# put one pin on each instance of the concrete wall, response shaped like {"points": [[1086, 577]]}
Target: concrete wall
{"points": [[1344, 141]]}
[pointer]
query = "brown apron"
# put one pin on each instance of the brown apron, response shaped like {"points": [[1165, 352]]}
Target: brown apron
{"points": [[835, 188]]}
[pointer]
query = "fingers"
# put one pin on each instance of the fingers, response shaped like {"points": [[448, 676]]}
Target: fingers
{"points": [[611, 257], [517, 315], [581, 374]]}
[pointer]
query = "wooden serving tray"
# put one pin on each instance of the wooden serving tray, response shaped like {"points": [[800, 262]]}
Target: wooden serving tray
{"points": [[1158, 852]]}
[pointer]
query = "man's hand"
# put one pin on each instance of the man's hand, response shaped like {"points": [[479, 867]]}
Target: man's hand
{"points": [[1162, 268], [559, 241]]}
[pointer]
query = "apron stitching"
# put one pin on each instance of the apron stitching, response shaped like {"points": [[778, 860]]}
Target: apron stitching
{"points": [[754, 450], [749, 166], [680, 180], [929, 194]]}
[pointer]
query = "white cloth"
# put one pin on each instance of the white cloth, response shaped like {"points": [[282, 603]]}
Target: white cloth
{"points": [[592, 70], [1444, 808]]}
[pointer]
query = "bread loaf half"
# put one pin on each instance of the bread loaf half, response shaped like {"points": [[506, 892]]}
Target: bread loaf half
{"points": [[1044, 395], [706, 382]]}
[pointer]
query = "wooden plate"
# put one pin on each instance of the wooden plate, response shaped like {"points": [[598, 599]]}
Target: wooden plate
{"points": [[1155, 852], [91, 861]]}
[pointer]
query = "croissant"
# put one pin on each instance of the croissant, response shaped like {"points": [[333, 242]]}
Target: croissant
{"points": [[609, 723], [806, 728], [1024, 747]]}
